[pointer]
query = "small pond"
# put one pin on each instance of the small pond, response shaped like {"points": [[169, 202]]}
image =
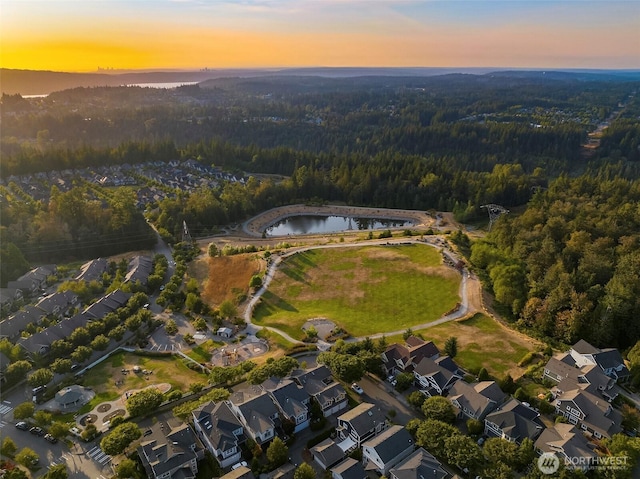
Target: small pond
{"points": [[311, 224]]}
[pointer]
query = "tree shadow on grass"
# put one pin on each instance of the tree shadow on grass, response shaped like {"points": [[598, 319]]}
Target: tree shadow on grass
{"points": [[280, 303], [295, 274], [305, 258]]}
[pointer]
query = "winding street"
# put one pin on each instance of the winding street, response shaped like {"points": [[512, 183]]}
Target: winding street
{"points": [[469, 291]]}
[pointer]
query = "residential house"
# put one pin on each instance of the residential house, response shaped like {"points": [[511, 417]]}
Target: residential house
{"points": [[591, 413], [348, 469], [257, 413], [387, 449], [360, 424], [170, 451], [476, 400], [107, 304], [58, 304], [561, 366], [513, 421], [327, 453], [609, 360], [319, 384], [40, 343], [400, 358], [562, 369], [292, 400], [220, 431], [34, 280], [28, 287], [419, 465], [10, 298], [14, 325], [567, 442], [92, 270], [435, 377], [140, 267]]}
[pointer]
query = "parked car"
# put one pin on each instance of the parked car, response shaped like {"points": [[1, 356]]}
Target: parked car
{"points": [[38, 431], [50, 438], [239, 464], [357, 388], [23, 426]]}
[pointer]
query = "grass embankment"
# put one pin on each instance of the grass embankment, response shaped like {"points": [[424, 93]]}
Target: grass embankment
{"points": [[483, 342], [365, 290]]}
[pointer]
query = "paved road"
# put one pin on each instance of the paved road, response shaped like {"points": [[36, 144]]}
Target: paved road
{"points": [[80, 464], [468, 286]]}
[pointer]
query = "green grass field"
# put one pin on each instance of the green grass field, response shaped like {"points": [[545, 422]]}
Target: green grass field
{"points": [[365, 290]]}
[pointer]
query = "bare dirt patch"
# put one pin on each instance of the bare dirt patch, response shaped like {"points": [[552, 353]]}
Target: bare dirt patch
{"points": [[223, 277]]}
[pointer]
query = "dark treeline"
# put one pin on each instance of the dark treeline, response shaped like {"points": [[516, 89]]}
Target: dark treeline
{"points": [[569, 266], [73, 224]]}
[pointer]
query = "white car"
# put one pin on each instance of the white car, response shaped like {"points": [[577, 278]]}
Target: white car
{"points": [[240, 464], [357, 388]]}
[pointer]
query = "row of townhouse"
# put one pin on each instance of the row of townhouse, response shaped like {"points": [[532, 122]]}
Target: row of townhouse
{"points": [[172, 449], [183, 175], [40, 342], [60, 304], [56, 305], [28, 285], [258, 412], [585, 378], [387, 450]]}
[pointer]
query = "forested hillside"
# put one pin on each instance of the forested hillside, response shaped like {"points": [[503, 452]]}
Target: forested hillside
{"points": [[560, 150]]}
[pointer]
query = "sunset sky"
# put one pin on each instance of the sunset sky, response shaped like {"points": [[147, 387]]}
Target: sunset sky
{"points": [[82, 35]]}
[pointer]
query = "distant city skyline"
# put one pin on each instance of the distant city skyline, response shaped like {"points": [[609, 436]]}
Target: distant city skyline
{"points": [[82, 35]]}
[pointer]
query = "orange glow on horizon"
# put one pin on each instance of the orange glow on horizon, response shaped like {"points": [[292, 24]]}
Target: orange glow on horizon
{"points": [[70, 35]]}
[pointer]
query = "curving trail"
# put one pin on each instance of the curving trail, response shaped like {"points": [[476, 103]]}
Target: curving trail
{"points": [[470, 291]]}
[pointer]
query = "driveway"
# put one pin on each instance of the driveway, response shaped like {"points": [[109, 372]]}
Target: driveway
{"points": [[382, 394]]}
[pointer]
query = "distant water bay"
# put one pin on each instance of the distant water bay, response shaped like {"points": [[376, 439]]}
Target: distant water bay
{"points": [[311, 224], [167, 85]]}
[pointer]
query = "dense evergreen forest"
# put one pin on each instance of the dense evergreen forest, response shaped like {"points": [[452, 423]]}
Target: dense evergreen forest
{"points": [[565, 265]]}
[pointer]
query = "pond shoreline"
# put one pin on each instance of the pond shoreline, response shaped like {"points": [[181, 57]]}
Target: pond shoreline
{"points": [[258, 224]]}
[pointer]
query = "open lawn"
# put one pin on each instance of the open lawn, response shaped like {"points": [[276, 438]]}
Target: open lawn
{"points": [[365, 290], [102, 378], [483, 342]]}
